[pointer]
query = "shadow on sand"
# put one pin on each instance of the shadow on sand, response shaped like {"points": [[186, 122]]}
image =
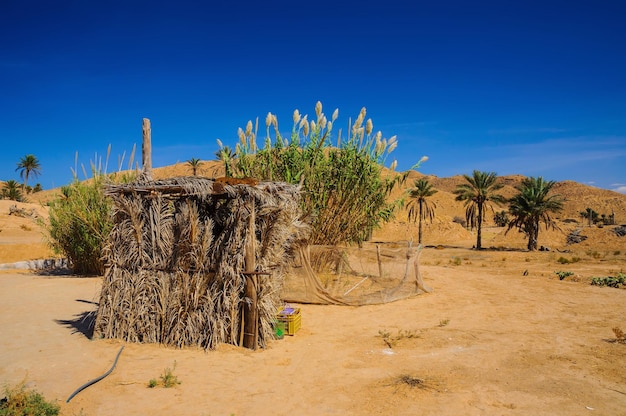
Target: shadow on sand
{"points": [[83, 322]]}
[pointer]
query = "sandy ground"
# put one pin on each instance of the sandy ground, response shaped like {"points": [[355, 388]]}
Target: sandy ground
{"points": [[499, 335]]}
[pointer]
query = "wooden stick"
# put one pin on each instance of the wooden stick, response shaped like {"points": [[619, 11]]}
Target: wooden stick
{"points": [[146, 147], [251, 314]]}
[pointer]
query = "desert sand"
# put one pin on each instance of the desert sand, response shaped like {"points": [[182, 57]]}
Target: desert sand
{"points": [[500, 334]]}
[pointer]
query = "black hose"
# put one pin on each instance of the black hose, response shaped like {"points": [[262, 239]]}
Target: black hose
{"points": [[95, 380]]}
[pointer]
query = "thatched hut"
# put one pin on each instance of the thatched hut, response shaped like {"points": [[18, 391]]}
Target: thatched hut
{"points": [[193, 261]]}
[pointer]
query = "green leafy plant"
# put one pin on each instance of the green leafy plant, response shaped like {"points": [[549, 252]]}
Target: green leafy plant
{"points": [[22, 402], [345, 187], [168, 379], [611, 281], [562, 275], [153, 383], [79, 224], [80, 220]]}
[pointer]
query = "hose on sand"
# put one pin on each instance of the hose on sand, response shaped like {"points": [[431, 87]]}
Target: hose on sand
{"points": [[95, 380]]}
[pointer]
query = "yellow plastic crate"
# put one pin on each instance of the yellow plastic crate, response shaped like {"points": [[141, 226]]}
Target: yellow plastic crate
{"points": [[291, 318]]}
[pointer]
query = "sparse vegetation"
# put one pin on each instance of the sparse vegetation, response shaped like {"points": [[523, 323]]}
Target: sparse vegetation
{"points": [[455, 261], [22, 402], [460, 220], [611, 281], [444, 322], [392, 340], [168, 379], [562, 275], [564, 260], [619, 335]]}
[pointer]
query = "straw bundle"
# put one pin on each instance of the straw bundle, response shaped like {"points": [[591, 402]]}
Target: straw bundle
{"points": [[175, 271]]}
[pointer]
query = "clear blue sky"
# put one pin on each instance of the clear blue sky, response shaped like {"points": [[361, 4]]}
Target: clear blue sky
{"points": [[524, 87]]}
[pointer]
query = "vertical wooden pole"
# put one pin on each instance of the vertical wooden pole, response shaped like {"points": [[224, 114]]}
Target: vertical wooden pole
{"points": [[380, 265], [146, 148], [251, 312]]}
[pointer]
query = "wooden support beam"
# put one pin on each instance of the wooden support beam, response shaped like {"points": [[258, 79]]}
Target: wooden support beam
{"points": [[251, 310]]}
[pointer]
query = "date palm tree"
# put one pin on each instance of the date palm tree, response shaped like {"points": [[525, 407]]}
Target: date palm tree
{"points": [[195, 164], [226, 155], [481, 189], [533, 206], [11, 190], [419, 208], [28, 165]]}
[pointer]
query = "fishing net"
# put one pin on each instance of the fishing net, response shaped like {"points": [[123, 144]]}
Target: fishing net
{"points": [[371, 274]]}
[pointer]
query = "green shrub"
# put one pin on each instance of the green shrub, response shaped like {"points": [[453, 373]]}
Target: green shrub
{"points": [[22, 402], [79, 224], [167, 379], [501, 219], [345, 191], [617, 281], [563, 275]]}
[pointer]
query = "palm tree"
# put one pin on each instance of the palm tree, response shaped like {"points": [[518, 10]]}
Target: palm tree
{"points": [[479, 190], [28, 165], [419, 208], [194, 164], [226, 155], [11, 190], [532, 206]]}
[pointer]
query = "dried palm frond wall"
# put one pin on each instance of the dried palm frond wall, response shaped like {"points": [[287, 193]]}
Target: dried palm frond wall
{"points": [[175, 259]]}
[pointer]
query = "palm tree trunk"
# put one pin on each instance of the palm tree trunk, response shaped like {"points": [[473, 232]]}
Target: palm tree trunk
{"points": [[419, 234], [479, 227]]}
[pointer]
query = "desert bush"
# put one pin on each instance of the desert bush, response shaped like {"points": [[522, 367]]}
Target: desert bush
{"points": [[80, 219], [79, 224], [562, 275], [345, 194], [501, 219], [22, 402], [392, 339], [564, 260], [460, 220], [611, 281], [167, 379]]}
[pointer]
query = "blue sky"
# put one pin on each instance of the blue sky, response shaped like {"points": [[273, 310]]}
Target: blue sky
{"points": [[531, 88]]}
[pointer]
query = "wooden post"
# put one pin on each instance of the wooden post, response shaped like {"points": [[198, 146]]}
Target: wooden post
{"points": [[251, 312], [146, 148], [380, 265]]}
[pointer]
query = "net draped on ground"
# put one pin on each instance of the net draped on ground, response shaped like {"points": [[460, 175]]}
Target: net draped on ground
{"points": [[371, 274]]}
